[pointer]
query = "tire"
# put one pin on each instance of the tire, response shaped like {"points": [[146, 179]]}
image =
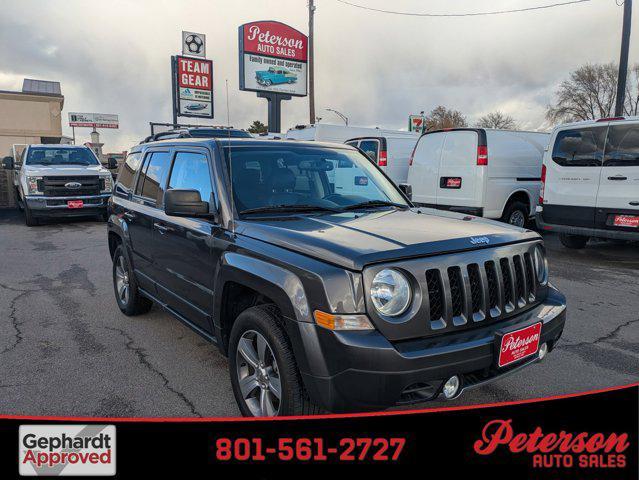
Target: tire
{"points": [[29, 219], [573, 241], [264, 321], [516, 213], [132, 303], [267, 83]]}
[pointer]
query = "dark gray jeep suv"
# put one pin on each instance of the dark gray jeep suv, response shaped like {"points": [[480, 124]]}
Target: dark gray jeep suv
{"points": [[314, 274]]}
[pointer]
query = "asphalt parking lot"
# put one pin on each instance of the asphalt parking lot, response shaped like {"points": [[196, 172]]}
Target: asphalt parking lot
{"points": [[65, 348]]}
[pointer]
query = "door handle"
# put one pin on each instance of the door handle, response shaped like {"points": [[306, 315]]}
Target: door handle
{"points": [[618, 177], [634, 204], [129, 216], [162, 228]]}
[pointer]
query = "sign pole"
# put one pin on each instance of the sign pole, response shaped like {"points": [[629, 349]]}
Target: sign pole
{"points": [[274, 109], [174, 88], [623, 58]]}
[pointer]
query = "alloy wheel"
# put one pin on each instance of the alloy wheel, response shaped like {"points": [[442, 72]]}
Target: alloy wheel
{"points": [[258, 375], [517, 218], [122, 281]]}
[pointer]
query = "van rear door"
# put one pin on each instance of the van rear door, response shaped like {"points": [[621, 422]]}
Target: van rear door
{"points": [[618, 197], [573, 169], [423, 173], [459, 183]]}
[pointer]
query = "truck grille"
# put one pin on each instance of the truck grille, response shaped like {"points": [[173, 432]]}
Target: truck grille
{"points": [[55, 186], [465, 290]]}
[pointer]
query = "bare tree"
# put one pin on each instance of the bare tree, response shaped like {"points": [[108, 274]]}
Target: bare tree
{"points": [[442, 117], [497, 120], [590, 93]]}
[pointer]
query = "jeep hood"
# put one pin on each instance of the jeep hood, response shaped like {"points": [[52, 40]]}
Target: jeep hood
{"points": [[64, 170], [355, 239]]}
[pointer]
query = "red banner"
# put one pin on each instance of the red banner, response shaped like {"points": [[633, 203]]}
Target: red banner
{"points": [[195, 73], [275, 39]]}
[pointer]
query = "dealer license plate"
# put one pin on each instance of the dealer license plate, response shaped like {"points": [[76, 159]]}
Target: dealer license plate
{"points": [[519, 344], [75, 203], [630, 221]]}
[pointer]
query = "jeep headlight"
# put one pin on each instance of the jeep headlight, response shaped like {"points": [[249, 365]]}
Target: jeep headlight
{"points": [[541, 265], [106, 184], [390, 292], [32, 185]]}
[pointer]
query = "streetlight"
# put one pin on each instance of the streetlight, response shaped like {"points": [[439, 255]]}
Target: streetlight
{"points": [[339, 114]]}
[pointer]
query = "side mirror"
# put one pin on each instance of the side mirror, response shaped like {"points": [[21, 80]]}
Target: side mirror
{"points": [[185, 203], [407, 189], [112, 163], [8, 163]]}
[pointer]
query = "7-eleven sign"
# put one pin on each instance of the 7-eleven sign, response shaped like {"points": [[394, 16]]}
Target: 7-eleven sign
{"points": [[416, 123]]}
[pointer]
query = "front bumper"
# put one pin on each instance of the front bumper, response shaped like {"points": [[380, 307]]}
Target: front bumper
{"points": [[364, 371], [57, 206]]}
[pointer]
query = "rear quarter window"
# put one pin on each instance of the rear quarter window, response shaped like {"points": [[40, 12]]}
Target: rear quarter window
{"points": [[580, 147], [127, 172]]}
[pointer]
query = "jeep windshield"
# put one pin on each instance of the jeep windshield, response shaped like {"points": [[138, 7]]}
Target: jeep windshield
{"points": [[290, 178], [61, 156]]}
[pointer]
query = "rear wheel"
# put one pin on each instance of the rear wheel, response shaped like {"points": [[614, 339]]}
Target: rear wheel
{"points": [[516, 213], [573, 241], [264, 375], [130, 300]]}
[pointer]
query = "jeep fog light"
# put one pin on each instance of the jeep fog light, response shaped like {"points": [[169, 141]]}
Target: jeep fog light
{"points": [[390, 292], [543, 350], [342, 322], [451, 387]]}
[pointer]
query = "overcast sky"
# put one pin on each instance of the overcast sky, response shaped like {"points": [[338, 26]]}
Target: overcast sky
{"points": [[113, 57]]}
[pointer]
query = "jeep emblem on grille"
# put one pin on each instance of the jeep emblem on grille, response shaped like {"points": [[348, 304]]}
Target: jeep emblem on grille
{"points": [[479, 240], [73, 185]]}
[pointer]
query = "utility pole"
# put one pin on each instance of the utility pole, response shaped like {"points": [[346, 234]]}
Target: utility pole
{"points": [[623, 58], [311, 61]]}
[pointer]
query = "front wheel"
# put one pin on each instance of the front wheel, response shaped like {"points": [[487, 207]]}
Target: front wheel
{"points": [[265, 378], [29, 219], [573, 241]]}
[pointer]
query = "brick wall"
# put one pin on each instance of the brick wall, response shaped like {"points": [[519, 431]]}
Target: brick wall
{"points": [[6, 193]]}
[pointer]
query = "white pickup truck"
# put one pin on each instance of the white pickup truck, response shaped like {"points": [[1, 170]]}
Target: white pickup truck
{"points": [[59, 180]]}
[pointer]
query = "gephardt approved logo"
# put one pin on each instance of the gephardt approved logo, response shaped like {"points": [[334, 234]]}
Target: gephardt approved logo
{"points": [[66, 450]]}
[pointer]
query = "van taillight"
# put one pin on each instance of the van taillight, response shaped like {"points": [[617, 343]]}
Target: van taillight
{"points": [[482, 155], [543, 185], [383, 159], [412, 155]]}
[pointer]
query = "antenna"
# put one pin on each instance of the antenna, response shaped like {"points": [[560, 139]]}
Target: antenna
{"points": [[228, 125]]}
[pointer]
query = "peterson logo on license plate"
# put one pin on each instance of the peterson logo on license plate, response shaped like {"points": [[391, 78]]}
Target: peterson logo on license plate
{"points": [[75, 204], [519, 344], [626, 221]]}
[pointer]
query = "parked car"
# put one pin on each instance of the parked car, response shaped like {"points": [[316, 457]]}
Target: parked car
{"points": [[324, 301], [389, 149], [489, 173], [274, 76], [591, 181], [60, 181]]}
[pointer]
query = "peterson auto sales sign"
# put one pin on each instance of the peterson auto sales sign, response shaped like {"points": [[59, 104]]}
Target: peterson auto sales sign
{"points": [[273, 58]]}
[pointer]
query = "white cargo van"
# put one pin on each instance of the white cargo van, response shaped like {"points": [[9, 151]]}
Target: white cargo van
{"points": [[389, 149], [489, 173], [590, 181]]}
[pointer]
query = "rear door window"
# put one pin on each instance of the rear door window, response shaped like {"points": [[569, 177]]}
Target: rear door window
{"points": [[622, 146], [581, 147], [153, 177], [370, 148]]}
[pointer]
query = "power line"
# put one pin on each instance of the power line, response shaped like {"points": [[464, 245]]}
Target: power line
{"points": [[475, 14]]}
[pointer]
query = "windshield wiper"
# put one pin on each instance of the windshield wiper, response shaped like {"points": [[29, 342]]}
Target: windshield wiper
{"points": [[375, 203], [289, 208]]}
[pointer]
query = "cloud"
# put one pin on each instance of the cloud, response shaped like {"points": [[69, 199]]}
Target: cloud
{"points": [[113, 57]]}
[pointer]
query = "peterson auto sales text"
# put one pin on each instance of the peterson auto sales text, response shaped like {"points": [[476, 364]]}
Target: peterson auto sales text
{"points": [[552, 450]]}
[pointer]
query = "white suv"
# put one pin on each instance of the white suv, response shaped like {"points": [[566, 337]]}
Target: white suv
{"points": [[590, 181]]}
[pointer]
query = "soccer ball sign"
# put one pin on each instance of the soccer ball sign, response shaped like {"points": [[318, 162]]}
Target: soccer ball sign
{"points": [[193, 44]]}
